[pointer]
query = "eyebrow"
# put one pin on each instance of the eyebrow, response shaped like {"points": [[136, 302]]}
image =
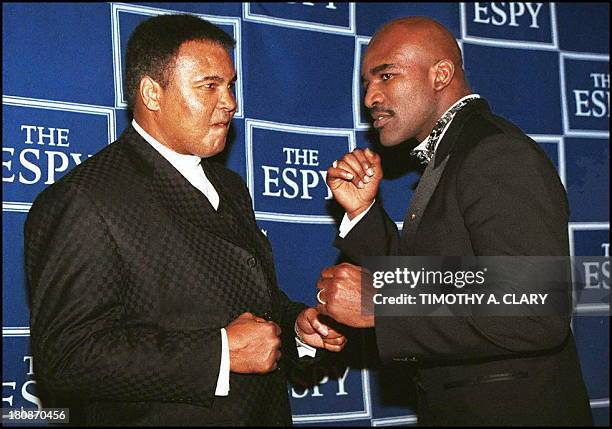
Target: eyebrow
{"points": [[216, 78], [379, 68]]}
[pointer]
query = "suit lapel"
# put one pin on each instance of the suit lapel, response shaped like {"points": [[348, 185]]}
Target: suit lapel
{"points": [[174, 192], [420, 199], [433, 173]]}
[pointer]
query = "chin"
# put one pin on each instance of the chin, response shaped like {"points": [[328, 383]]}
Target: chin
{"points": [[207, 149], [388, 141]]}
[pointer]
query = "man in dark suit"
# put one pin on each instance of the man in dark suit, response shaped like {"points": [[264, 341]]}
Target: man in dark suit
{"points": [[487, 190], [153, 292]]}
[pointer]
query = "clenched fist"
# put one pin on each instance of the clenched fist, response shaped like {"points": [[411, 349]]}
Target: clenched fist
{"points": [[354, 180], [344, 289], [312, 331], [254, 344]]}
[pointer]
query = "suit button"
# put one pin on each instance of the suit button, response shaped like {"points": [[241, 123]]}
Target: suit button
{"points": [[251, 262], [413, 216]]}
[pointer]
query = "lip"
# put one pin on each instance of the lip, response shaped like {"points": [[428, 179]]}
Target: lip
{"points": [[381, 120]]}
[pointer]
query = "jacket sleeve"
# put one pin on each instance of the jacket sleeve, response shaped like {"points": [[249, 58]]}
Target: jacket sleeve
{"points": [[82, 345], [374, 235]]}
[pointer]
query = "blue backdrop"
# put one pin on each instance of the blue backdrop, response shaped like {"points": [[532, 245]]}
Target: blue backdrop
{"points": [[543, 66]]}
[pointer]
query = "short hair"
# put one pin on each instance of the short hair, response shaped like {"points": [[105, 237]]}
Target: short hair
{"points": [[154, 45]]}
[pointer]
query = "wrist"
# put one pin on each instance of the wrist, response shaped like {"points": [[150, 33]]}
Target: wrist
{"points": [[296, 329], [354, 213]]}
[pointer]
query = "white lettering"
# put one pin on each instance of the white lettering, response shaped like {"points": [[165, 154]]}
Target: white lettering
{"points": [[341, 380], [477, 10], [7, 164], [30, 361], [30, 166], [268, 180], [30, 397], [292, 184], [51, 169], [600, 80], [503, 13], [514, 12], [28, 129], [534, 13], [8, 399]]}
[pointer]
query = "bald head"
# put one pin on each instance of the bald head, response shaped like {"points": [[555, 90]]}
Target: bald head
{"points": [[425, 37], [413, 72]]}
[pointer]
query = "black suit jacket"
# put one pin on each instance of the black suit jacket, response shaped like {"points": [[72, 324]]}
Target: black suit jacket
{"points": [[491, 191], [131, 276]]}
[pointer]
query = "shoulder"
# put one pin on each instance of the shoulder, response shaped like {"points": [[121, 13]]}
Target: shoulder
{"points": [[111, 171], [488, 139]]}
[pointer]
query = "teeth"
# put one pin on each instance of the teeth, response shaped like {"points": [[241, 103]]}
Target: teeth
{"points": [[380, 117]]}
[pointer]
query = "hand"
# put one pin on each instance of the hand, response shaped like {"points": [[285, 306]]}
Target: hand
{"points": [[313, 332], [354, 180], [341, 290], [254, 344]]}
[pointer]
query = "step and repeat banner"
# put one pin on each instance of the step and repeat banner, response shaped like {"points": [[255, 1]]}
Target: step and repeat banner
{"points": [[544, 66]]}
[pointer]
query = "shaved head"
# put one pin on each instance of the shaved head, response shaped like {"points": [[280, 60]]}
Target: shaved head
{"points": [[426, 36], [413, 72]]}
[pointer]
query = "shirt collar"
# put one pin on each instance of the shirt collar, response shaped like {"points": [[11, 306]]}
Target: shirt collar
{"points": [[423, 144], [180, 161]]}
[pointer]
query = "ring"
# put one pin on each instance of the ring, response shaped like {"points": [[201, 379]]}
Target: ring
{"points": [[319, 296]]}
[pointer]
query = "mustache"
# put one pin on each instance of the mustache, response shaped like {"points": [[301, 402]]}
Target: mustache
{"points": [[378, 110]]}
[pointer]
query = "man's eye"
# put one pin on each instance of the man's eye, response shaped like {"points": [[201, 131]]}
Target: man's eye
{"points": [[211, 85], [386, 76]]}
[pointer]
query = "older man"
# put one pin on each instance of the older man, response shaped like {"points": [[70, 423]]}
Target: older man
{"points": [[487, 190], [153, 293]]}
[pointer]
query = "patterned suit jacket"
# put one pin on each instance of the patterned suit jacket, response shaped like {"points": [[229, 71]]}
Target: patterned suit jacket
{"points": [[131, 276]]}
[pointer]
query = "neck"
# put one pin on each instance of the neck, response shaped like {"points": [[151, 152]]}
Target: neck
{"points": [[445, 104]]}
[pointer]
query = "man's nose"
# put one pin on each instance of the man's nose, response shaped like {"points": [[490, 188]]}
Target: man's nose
{"points": [[373, 96], [228, 101]]}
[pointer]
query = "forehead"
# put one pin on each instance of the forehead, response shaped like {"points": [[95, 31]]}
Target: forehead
{"points": [[388, 47], [204, 56], [378, 55]]}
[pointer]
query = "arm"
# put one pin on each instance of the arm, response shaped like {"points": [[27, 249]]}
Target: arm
{"points": [[81, 342], [354, 182]]}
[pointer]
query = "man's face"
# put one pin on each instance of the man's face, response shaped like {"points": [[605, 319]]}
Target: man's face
{"points": [[198, 104], [399, 90]]}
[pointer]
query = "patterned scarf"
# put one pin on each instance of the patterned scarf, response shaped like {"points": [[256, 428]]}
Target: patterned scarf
{"points": [[426, 155]]}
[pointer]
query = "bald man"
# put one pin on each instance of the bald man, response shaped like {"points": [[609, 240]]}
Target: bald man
{"points": [[488, 189]]}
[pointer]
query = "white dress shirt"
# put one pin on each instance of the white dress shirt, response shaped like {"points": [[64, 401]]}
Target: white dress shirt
{"points": [[346, 225]]}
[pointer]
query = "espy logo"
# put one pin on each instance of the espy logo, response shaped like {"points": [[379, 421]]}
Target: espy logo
{"points": [[586, 93], [287, 167], [43, 140], [328, 17], [509, 24]]}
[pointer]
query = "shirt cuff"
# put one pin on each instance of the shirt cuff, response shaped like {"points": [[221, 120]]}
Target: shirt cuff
{"points": [[347, 224], [224, 369], [303, 349]]}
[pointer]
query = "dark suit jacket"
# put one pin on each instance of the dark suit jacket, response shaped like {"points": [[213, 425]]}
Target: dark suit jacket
{"points": [[131, 276], [492, 192]]}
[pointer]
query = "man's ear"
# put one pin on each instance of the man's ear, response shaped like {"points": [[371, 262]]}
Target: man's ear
{"points": [[150, 93], [444, 71]]}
